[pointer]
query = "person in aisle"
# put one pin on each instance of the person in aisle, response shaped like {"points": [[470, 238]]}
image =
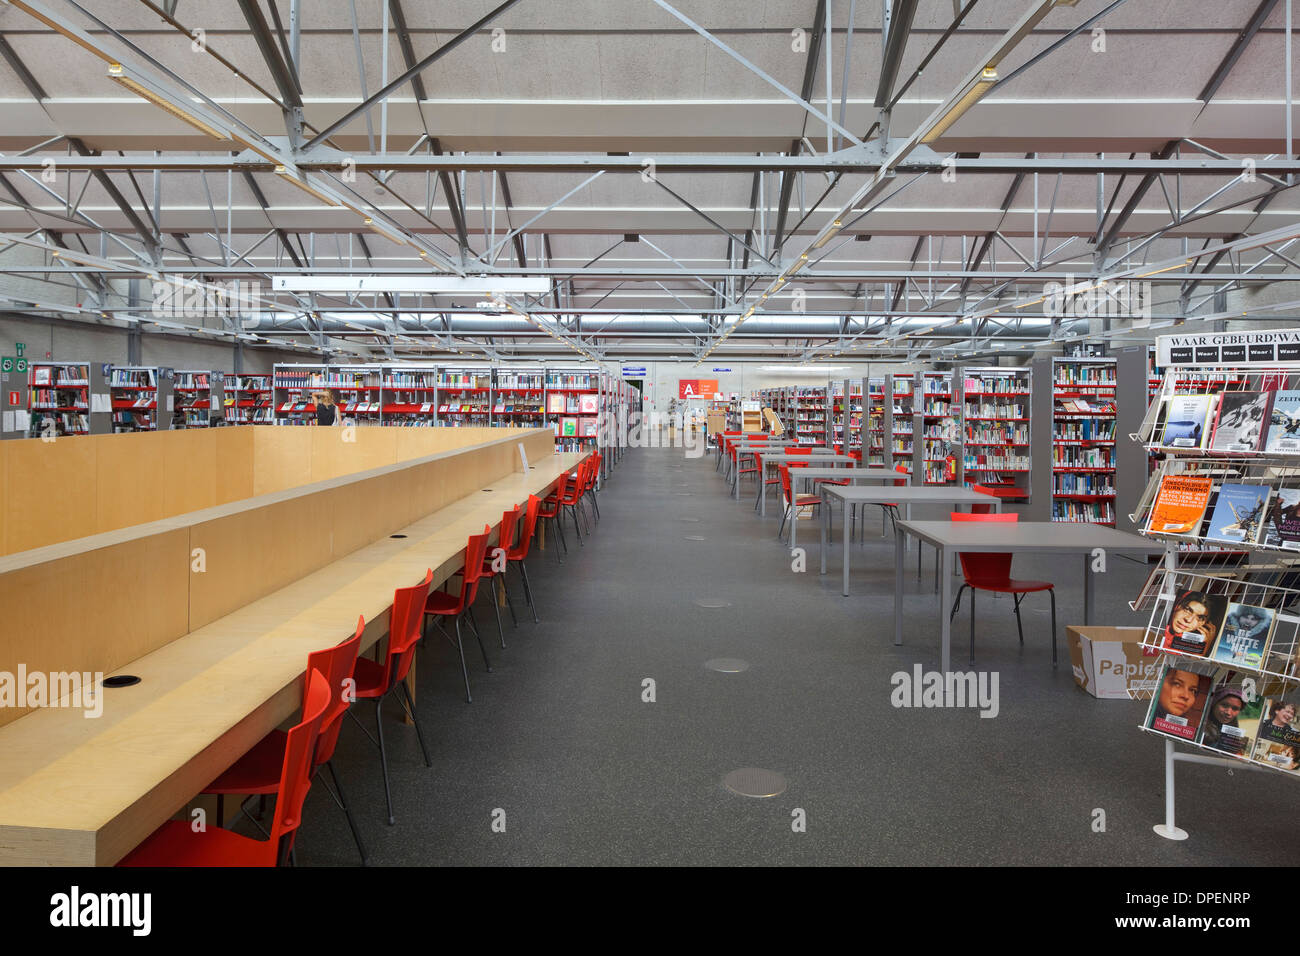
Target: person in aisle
{"points": [[327, 409]]}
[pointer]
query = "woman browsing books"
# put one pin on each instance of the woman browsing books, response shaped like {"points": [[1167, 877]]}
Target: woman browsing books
{"points": [[327, 409]]}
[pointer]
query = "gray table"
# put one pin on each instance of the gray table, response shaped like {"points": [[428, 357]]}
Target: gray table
{"points": [[820, 455], [748, 446], [850, 495], [853, 474], [950, 537]]}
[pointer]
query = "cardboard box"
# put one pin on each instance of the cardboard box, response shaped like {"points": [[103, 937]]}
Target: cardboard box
{"points": [[1110, 663]]}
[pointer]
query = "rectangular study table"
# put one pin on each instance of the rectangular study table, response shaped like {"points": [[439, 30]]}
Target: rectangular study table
{"points": [[761, 448], [852, 474], [823, 456], [84, 792], [743, 445], [1047, 537], [850, 495]]}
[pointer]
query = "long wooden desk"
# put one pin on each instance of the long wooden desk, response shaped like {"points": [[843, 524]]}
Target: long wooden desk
{"points": [[78, 791]]}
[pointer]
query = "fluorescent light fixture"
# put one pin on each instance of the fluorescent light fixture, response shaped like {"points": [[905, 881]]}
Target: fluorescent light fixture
{"points": [[492, 286], [805, 368], [288, 176], [983, 83], [118, 74]]}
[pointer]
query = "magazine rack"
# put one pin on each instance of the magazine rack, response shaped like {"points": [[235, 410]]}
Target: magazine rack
{"points": [[1262, 570]]}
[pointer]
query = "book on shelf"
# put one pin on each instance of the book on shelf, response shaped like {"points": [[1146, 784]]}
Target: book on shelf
{"points": [[1239, 424], [1194, 622], [569, 427], [1284, 423], [1277, 735], [588, 404], [1186, 417], [555, 404], [1244, 636], [1179, 704], [1180, 504], [1282, 526], [1239, 513]]}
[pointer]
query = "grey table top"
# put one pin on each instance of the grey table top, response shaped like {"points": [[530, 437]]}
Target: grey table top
{"points": [[1026, 535], [857, 474], [909, 493], [785, 459]]}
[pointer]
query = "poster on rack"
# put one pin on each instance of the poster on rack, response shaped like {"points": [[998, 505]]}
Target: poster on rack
{"points": [[1241, 421]]}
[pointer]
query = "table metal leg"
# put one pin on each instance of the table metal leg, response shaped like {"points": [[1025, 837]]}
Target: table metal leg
{"points": [[945, 601], [1087, 588], [826, 512], [794, 513], [898, 588], [846, 548]]}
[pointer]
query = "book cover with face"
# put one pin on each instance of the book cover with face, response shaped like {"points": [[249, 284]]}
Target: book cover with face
{"points": [[1195, 619], [1244, 636], [1227, 725], [1277, 738], [1179, 703]]}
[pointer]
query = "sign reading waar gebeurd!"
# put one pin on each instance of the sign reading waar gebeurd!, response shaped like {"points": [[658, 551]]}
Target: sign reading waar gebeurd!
{"points": [[1272, 347]]}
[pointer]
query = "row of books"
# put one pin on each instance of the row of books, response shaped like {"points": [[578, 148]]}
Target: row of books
{"points": [[1096, 512], [294, 378], [520, 379], [56, 398], [937, 408], [574, 428], [410, 379], [191, 380], [1217, 709], [1081, 406], [127, 378], [936, 385], [1065, 456], [1085, 374], [1214, 628], [1243, 513], [1096, 430], [990, 433], [996, 410], [464, 380], [997, 384], [1236, 421], [995, 463], [1084, 484], [66, 375]]}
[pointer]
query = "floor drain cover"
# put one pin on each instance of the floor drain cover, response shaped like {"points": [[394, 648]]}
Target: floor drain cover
{"points": [[727, 665], [695, 537], [754, 782], [712, 602]]}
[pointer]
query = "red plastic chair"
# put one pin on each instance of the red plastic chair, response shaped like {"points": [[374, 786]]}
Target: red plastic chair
{"points": [[793, 502], [572, 496], [505, 541], [257, 772], [982, 508], [589, 491], [991, 571], [519, 553], [175, 843], [375, 680], [550, 510], [441, 604]]}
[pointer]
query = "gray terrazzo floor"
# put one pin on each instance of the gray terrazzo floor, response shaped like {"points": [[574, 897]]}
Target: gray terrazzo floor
{"points": [[587, 773]]}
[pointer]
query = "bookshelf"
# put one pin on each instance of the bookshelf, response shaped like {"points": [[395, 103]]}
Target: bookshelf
{"points": [[808, 407], [846, 420], [247, 399], [409, 396], [875, 424], [358, 388], [1084, 413], [59, 398], [464, 397], [573, 407], [199, 398], [901, 421], [996, 428], [519, 397], [141, 398], [940, 429]]}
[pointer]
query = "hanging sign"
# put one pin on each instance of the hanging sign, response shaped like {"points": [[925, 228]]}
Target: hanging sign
{"points": [[697, 388], [1271, 347]]}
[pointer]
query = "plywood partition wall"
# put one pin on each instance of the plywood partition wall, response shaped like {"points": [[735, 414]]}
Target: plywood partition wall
{"points": [[74, 487], [94, 604]]}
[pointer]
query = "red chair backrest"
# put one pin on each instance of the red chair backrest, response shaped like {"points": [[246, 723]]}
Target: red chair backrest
{"points": [[990, 566], [785, 482], [475, 552], [338, 663], [509, 529], [295, 772], [803, 450], [899, 483], [526, 530], [404, 629]]}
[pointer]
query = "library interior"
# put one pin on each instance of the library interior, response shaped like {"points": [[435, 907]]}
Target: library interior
{"points": [[358, 359]]}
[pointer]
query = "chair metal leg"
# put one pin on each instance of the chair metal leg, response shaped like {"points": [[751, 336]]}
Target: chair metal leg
{"points": [[409, 703], [1019, 627], [383, 757], [474, 627], [784, 517], [506, 592], [558, 525], [528, 591], [343, 802], [956, 605], [496, 609], [972, 627], [460, 646]]}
